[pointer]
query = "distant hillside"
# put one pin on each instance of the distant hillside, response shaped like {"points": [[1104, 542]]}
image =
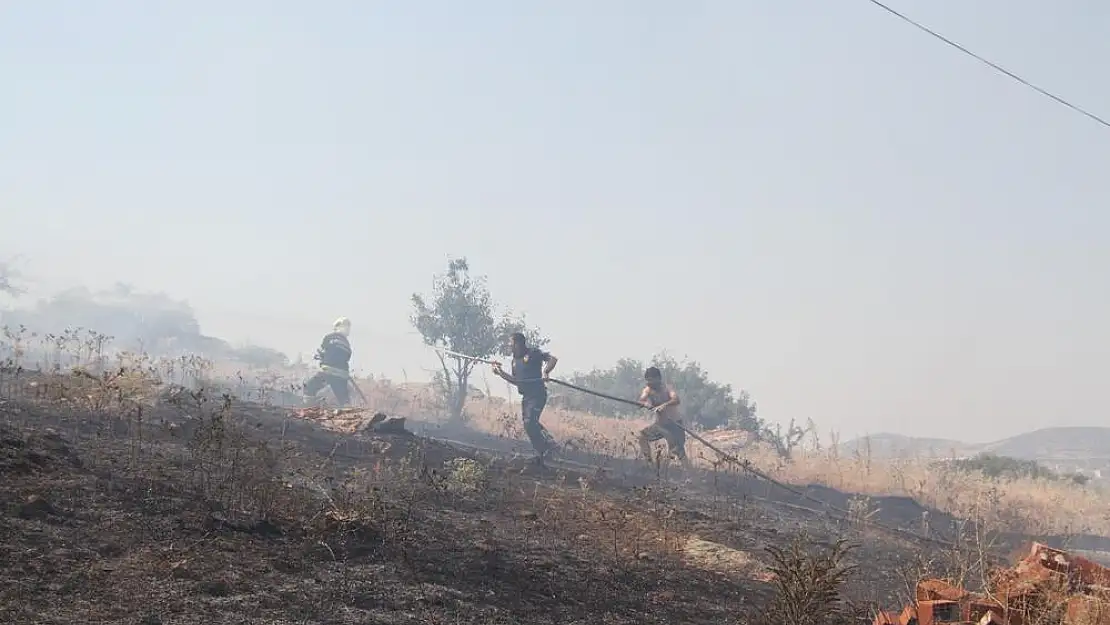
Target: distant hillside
{"points": [[1060, 443], [1062, 449], [1063, 443], [887, 445]]}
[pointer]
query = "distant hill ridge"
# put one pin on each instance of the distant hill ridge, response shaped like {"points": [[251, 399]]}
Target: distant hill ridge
{"points": [[1046, 444]]}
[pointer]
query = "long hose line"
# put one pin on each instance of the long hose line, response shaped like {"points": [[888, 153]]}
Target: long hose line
{"points": [[743, 464]]}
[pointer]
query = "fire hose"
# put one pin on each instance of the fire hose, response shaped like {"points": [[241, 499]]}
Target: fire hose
{"points": [[743, 464], [358, 391], [725, 456]]}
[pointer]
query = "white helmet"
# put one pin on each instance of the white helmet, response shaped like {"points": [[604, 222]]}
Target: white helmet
{"points": [[342, 325]]}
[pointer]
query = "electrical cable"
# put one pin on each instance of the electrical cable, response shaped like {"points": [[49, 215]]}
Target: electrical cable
{"points": [[991, 64]]}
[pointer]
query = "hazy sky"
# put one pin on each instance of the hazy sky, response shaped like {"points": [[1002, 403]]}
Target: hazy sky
{"points": [[819, 203]]}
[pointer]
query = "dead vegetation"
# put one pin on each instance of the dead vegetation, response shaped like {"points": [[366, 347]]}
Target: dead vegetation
{"points": [[126, 499], [1020, 504], [145, 490], [809, 584], [204, 522]]}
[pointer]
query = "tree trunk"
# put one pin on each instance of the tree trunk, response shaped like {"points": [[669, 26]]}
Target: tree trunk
{"points": [[458, 397]]}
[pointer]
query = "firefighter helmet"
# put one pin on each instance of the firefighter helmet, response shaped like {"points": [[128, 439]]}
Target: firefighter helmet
{"points": [[342, 325]]}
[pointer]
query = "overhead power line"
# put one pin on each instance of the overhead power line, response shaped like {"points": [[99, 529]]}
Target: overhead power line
{"points": [[994, 66]]}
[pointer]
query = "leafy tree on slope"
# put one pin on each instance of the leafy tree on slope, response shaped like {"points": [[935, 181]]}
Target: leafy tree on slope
{"points": [[460, 316]]}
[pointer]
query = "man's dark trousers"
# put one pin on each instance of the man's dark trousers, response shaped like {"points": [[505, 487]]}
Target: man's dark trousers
{"points": [[531, 407], [338, 385]]}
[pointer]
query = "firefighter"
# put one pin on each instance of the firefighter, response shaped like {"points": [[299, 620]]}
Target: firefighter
{"points": [[334, 355], [663, 401]]}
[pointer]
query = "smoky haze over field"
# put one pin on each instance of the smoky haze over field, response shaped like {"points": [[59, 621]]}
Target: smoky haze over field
{"points": [[822, 207], [131, 320]]}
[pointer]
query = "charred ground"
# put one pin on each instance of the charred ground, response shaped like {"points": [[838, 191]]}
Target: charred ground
{"points": [[196, 509]]}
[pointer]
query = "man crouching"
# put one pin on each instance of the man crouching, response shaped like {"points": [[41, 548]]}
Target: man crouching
{"points": [[663, 401]]}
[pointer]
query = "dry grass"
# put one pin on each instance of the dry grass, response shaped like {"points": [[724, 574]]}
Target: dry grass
{"points": [[152, 433], [1023, 505], [128, 498], [200, 510], [1031, 506]]}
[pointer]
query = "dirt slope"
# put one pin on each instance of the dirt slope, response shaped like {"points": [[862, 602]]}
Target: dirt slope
{"points": [[202, 513]]}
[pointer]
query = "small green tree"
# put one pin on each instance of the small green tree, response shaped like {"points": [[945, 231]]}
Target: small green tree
{"points": [[1006, 467], [460, 316]]}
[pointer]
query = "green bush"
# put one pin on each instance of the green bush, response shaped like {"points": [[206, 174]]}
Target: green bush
{"points": [[1006, 467], [704, 402]]}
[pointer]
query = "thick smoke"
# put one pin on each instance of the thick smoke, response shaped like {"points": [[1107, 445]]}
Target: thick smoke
{"points": [[151, 322]]}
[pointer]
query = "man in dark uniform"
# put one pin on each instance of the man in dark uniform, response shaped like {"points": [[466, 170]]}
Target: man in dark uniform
{"points": [[531, 368], [334, 355]]}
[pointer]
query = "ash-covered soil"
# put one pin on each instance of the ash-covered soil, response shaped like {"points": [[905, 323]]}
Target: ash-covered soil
{"points": [[204, 512]]}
